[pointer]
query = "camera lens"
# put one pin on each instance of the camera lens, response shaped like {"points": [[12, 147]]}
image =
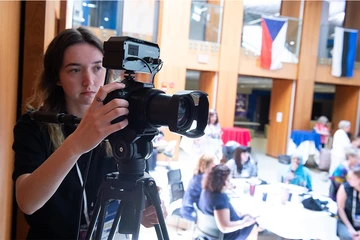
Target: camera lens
{"points": [[183, 113]]}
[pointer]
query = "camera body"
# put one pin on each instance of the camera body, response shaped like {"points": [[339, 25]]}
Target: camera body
{"points": [[149, 108]]}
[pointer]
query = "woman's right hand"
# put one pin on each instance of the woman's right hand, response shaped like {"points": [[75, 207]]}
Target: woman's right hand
{"points": [[248, 221], [96, 122], [353, 233]]}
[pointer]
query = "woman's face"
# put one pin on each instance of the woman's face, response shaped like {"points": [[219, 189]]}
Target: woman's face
{"points": [[295, 163], [352, 179], [227, 183], [81, 76], [353, 160], [208, 169], [212, 118], [244, 157], [347, 129]]}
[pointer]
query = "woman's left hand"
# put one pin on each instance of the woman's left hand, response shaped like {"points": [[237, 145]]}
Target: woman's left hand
{"points": [[149, 216]]}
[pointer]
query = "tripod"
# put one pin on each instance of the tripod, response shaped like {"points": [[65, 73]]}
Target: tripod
{"points": [[130, 186]]}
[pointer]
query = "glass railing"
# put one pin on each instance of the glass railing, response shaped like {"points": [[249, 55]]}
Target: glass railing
{"points": [[205, 22], [137, 19], [326, 44], [252, 36]]}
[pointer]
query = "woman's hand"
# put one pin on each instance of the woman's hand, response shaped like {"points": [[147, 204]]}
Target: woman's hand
{"points": [[149, 216], [96, 122], [248, 221], [353, 233]]}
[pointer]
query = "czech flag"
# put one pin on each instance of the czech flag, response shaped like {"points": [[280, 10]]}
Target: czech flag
{"points": [[273, 42], [344, 52]]}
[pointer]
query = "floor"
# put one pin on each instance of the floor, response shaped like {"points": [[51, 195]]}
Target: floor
{"points": [[269, 170]]}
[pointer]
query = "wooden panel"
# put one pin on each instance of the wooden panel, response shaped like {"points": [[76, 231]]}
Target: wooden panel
{"points": [[345, 106], [173, 40], [229, 61], [33, 45], [323, 75], [280, 102], [249, 65], [307, 65], [203, 56], [9, 62], [207, 83]]}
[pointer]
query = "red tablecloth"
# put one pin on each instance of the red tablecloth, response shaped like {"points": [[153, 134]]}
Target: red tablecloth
{"points": [[240, 135]]}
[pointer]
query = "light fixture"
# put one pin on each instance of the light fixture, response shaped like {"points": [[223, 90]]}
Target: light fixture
{"points": [[106, 19]]}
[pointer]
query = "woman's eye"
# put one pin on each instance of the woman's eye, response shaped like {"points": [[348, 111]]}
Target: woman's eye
{"points": [[98, 68], [74, 70]]}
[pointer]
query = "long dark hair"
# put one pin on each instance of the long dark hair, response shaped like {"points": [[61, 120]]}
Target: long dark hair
{"points": [[216, 179], [237, 157], [48, 96]]}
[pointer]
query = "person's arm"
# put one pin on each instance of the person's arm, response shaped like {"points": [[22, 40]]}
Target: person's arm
{"points": [[222, 218], [308, 181], [341, 199], [34, 189]]}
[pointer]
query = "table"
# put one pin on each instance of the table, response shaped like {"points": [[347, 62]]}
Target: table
{"points": [[240, 135], [290, 220], [305, 143]]}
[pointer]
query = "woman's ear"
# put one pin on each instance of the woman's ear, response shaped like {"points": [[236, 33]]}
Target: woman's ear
{"points": [[58, 82]]}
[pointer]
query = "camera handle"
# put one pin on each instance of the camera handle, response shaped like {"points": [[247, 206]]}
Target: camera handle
{"points": [[131, 193]]}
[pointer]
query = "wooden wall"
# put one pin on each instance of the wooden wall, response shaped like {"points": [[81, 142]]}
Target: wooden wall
{"points": [[307, 65], [9, 61], [346, 106], [280, 103], [229, 61]]}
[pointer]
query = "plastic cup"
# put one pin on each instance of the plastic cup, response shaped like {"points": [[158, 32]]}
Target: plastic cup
{"points": [[252, 189]]}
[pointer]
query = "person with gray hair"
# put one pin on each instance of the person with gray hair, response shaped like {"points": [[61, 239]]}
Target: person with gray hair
{"points": [[321, 129], [341, 142]]}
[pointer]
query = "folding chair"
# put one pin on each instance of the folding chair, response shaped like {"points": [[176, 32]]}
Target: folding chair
{"points": [[177, 192], [174, 176], [206, 225]]}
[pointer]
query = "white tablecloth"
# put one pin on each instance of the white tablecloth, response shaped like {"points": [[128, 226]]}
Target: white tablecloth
{"points": [[290, 220]]}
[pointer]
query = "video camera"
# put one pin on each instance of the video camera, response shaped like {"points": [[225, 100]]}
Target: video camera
{"points": [[149, 108]]}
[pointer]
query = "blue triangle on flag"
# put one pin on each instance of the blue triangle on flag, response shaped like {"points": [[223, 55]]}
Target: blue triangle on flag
{"points": [[274, 26]]}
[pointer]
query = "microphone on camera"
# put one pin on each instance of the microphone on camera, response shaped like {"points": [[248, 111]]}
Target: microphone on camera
{"points": [[60, 118]]}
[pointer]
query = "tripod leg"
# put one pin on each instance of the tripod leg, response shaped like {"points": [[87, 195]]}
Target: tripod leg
{"points": [[101, 217], [115, 222], [153, 195], [94, 218]]}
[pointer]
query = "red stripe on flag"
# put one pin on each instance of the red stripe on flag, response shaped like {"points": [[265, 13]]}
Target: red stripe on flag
{"points": [[266, 47]]}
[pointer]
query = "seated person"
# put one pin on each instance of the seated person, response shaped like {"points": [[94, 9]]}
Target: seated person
{"points": [[348, 202], [241, 165], [214, 201], [297, 173], [340, 173], [193, 191]]}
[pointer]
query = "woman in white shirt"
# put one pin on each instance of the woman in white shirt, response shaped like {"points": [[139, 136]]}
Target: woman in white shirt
{"points": [[341, 142]]}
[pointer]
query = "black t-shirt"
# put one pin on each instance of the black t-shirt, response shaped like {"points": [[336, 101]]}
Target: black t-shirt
{"points": [[58, 218], [349, 204]]}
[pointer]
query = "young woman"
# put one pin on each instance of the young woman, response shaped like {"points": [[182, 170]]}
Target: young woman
{"points": [[51, 159], [241, 165], [298, 174], [214, 201], [193, 191], [348, 202]]}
